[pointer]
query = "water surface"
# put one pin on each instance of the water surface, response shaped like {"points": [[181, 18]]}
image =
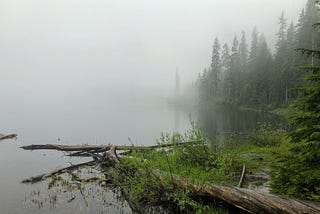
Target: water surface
{"points": [[85, 120]]}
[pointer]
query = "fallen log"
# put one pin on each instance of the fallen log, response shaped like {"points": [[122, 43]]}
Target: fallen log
{"points": [[251, 201], [10, 136], [96, 148]]}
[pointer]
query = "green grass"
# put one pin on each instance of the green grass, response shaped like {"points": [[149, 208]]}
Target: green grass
{"points": [[202, 162]]}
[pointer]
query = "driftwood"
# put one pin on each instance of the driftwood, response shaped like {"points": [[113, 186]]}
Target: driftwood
{"points": [[109, 159], [99, 148], [41, 177], [10, 136], [251, 201], [242, 175]]}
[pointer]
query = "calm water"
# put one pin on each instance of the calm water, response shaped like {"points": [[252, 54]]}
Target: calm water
{"points": [[96, 121]]}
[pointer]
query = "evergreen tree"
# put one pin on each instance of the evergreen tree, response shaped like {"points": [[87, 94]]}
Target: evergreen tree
{"points": [[305, 32], [280, 64], [233, 77], [299, 25], [243, 50], [215, 67], [243, 59], [256, 78], [289, 76], [225, 57], [259, 85], [203, 86], [225, 65], [299, 172], [254, 45], [282, 33]]}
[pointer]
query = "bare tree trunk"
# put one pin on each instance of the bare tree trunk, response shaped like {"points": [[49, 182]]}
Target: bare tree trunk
{"points": [[252, 201]]}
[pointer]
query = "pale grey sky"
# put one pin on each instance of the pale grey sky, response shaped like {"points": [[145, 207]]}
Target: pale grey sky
{"points": [[58, 46]]}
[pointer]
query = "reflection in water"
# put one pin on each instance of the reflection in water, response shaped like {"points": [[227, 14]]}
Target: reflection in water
{"points": [[82, 191], [88, 190], [221, 119], [176, 119]]}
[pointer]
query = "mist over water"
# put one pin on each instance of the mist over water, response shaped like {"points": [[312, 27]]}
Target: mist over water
{"points": [[100, 72]]}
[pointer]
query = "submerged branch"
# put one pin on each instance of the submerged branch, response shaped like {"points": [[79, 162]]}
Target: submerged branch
{"points": [[41, 177], [10, 136]]}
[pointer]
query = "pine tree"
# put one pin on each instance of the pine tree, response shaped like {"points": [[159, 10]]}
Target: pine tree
{"points": [[249, 89], [203, 86], [215, 67], [225, 69], [234, 71], [299, 172], [258, 91], [305, 32], [243, 50], [243, 66], [298, 27], [306, 37], [254, 45], [282, 33], [225, 57], [278, 89], [289, 76]]}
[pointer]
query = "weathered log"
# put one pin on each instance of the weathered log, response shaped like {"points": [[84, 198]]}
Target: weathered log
{"points": [[67, 148], [251, 201], [96, 148], [10, 136]]}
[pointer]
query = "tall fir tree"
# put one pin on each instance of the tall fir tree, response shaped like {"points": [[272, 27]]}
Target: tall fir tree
{"points": [[249, 100], [225, 57], [289, 75], [306, 34], [233, 76], [259, 85], [215, 68], [280, 64], [282, 33], [225, 65], [254, 45], [298, 172], [243, 50], [243, 60]]}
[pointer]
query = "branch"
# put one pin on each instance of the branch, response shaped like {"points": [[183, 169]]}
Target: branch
{"points": [[41, 177], [10, 136], [242, 175]]}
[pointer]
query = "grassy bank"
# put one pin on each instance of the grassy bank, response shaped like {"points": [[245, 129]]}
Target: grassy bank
{"points": [[148, 175]]}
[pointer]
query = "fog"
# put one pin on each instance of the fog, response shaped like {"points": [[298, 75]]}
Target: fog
{"points": [[100, 71], [57, 48]]}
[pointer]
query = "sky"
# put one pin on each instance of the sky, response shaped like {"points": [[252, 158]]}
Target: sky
{"points": [[74, 47]]}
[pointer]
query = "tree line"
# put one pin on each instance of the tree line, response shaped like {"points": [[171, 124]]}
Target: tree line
{"points": [[252, 76]]}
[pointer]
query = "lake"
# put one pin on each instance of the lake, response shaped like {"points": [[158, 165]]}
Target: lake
{"points": [[99, 120]]}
